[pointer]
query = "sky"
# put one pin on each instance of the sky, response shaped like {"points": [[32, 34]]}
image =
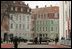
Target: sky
{"points": [[33, 4]]}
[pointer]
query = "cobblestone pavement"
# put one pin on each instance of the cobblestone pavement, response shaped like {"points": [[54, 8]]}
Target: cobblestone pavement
{"points": [[26, 45], [51, 45], [7, 45]]}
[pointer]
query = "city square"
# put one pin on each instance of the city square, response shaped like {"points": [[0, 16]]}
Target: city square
{"points": [[35, 24], [30, 45]]}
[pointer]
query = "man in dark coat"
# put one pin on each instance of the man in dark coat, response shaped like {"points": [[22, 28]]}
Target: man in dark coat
{"points": [[11, 39], [56, 40], [15, 41], [40, 40], [35, 40]]}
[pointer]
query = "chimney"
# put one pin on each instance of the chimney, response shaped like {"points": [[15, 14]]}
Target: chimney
{"points": [[45, 5], [27, 4], [36, 6]]}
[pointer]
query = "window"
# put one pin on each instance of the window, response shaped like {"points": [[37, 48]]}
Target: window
{"points": [[41, 15], [52, 22], [44, 16], [15, 8], [11, 8], [52, 14], [35, 15], [20, 34], [46, 35], [51, 28], [56, 29], [16, 26], [20, 18], [36, 28], [46, 28], [20, 2], [43, 22], [40, 28], [56, 15], [65, 2], [27, 10], [21, 9], [27, 26], [37, 22], [23, 18], [47, 15], [11, 17], [23, 26], [43, 28], [46, 22], [32, 17], [20, 26], [33, 29], [28, 18], [43, 35], [16, 17], [40, 34], [40, 22], [38, 16], [11, 26]]}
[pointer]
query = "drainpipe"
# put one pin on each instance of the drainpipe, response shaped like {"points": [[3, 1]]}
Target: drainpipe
{"points": [[63, 23]]}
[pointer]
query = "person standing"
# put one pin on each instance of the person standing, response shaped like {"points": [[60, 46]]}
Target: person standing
{"points": [[40, 40], [11, 39], [15, 41], [35, 40], [56, 40]]}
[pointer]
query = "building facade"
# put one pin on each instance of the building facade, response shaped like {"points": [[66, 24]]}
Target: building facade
{"points": [[46, 21], [19, 19], [65, 19], [19, 12], [4, 20]]}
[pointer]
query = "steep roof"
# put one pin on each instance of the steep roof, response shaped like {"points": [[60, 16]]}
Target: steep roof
{"points": [[53, 9]]}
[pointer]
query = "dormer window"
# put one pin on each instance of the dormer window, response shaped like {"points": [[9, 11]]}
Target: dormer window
{"points": [[27, 10], [21, 9], [20, 2], [15, 8], [13, 1]]}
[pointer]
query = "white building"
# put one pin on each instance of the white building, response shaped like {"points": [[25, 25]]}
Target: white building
{"points": [[64, 16], [20, 23]]}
